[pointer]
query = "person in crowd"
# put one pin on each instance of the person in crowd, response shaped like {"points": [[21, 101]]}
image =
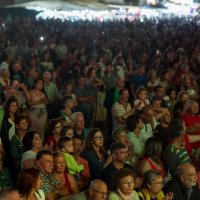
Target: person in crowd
{"points": [[65, 145], [84, 176], [141, 99], [175, 153], [134, 126], [96, 191], [32, 144], [181, 105], [60, 173], [124, 185], [184, 186], [50, 185], [46, 61], [16, 144], [152, 187], [152, 157], [4, 78], [119, 153], [9, 193], [37, 106], [53, 131], [67, 111], [29, 183], [79, 125], [95, 153], [67, 131], [121, 110]]}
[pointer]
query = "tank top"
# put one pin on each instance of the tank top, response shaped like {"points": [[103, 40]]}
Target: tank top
{"points": [[67, 183]]}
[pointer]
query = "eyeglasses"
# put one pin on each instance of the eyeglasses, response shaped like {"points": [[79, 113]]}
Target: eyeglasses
{"points": [[127, 183], [99, 192], [98, 138]]}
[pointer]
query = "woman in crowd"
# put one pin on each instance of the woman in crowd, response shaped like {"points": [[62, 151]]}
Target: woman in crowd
{"points": [[152, 157], [53, 133], [152, 187], [124, 180], [95, 153], [28, 185], [37, 106], [46, 61], [59, 172], [32, 144]]}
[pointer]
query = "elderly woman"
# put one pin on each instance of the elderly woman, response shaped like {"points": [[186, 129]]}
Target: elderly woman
{"points": [[124, 180], [152, 187]]}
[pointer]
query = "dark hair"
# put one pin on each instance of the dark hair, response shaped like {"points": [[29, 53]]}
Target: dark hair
{"points": [[26, 181], [62, 141], [65, 99], [43, 152], [132, 121], [116, 146], [116, 132], [139, 90], [36, 81], [78, 137], [51, 126], [8, 103], [64, 130], [122, 90], [120, 174], [176, 128], [149, 177], [19, 118], [153, 149], [28, 140]]}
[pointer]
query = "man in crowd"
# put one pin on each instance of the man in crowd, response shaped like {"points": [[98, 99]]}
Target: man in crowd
{"points": [[96, 191], [184, 186], [51, 187]]}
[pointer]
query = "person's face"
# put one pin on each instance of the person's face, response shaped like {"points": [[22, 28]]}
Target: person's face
{"points": [[173, 94], [37, 141], [167, 118], [57, 128], [166, 76], [80, 122], [148, 116], [140, 124], [194, 108], [77, 145], [69, 103], [160, 92], [68, 147], [122, 137], [23, 125], [98, 193], [125, 95], [141, 70], [98, 139], [142, 95], [38, 184], [121, 155], [81, 82], [39, 85], [5, 74], [126, 185], [47, 77], [13, 107], [156, 185], [69, 133], [46, 164], [189, 178], [120, 82], [186, 68], [68, 87], [156, 104], [59, 164], [184, 98]]}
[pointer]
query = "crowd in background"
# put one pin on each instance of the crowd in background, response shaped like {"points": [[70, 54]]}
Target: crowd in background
{"points": [[100, 110]]}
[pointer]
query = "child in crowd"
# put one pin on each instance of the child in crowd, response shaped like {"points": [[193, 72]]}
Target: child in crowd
{"points": [[67, 131], [141, 98], [65, 144]]}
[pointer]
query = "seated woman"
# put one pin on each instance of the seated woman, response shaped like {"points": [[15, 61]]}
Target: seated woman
{"points": [[124, 180], [95, 153], [152, 187], [32, 144], [29, 183], [61, 175], [152, 157]]}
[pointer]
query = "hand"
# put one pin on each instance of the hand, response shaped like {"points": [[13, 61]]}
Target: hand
{"points": [[168, 196]]}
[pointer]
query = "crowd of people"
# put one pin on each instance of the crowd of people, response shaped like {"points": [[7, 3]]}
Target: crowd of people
{"points": [[99, 110]]}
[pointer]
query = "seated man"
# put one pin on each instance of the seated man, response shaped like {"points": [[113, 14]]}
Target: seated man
{"points": [[184, 186], [51, 187], [119, 153], [96, 190]]}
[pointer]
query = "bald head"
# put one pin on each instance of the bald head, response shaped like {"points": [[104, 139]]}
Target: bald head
{"points": [[98, 190], [187, 175]]}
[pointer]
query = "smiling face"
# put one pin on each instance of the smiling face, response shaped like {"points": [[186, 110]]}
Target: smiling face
{"points": [[126, 185], [98, 139], [59, 164], [37, 141]]}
